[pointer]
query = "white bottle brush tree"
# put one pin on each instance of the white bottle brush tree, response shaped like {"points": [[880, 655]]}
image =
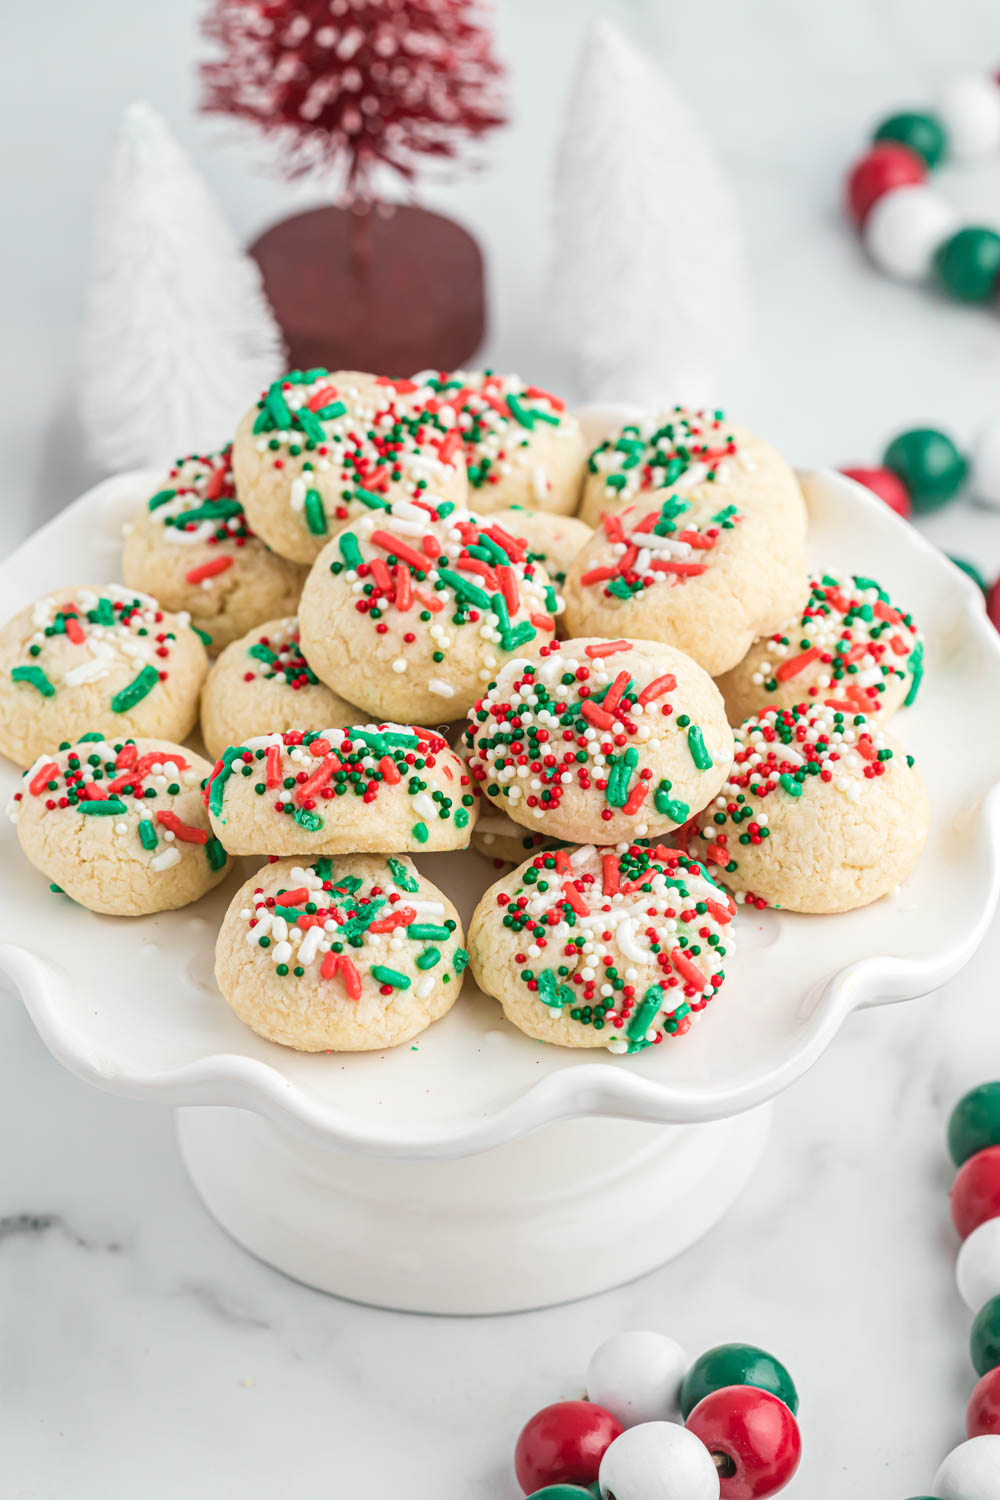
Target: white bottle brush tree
{"points": [[179, 337], [649, 287]]}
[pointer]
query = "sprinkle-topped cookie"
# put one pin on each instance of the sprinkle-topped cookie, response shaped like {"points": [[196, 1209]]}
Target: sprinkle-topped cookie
{"points": [[378, 788], [349, 954], [851, 649], [106, 657], [690, 453], [119, 825], [821, 811], [522, 447], [600, 739], [617, 947], [553, 540], [190, 546], [263, 683], [321, 449], [694, 569], [413, 611]]}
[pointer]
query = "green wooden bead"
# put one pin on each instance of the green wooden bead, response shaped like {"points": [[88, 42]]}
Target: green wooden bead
{"points": [[564, 1492], [971, 571], [929, 465], [736, 1364], [968, 264], [924, 134], [984, 1341], [975, 1123]]}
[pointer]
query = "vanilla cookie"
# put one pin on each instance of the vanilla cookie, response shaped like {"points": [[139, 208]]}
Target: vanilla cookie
{"points": [[697, 455], [373, 788], [104, 658], [341, 955], [321, 449], [682, 569], [263, 684], [603, 947], [411, 612], [553, 540], [822, 812], [120, 826], [191, 548], [850, 648], [522, 447], [601, 740]]}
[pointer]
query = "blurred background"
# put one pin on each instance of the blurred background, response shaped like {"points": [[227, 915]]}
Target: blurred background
{"points": [[841, 356]]}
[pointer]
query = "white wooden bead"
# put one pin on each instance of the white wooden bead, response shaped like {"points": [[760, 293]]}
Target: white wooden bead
{"points": [[659, 1461], [986, 466], [970, 1472], [637, 1377], [969, 108], [977, 1270], [905, 227]]}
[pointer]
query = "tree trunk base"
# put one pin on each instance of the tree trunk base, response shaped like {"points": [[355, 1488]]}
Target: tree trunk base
{"points": [[391, 294]]}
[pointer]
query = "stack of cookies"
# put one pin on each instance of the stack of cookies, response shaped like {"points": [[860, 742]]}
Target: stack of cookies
{"points": [[408, 616]]}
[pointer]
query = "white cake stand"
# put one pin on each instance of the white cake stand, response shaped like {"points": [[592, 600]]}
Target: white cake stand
{"points": [[478, 1171]]}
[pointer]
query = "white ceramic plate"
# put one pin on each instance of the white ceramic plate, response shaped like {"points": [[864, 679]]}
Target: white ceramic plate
{"points": [[131, 1005]]}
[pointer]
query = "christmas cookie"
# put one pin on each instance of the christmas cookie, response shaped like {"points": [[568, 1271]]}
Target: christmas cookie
{"points": [[191, 548], [318, 450], [600, 740], [521, 445], [263, 684], [822, 812], [704, 576], [850, 648], [618, 948], [341, 955], [105, 658], [119, 825], [410, 613], [697, 455], [553, 540], [373, 788]]}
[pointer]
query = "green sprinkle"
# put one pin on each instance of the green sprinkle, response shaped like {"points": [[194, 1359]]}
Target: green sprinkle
{"points": [[160, 498], [518, 636], [203, 635], [34, 677], [792, 787], [460, 961], [137, 689], [419, 831], [314, 512], [427, 932], [369, 498], [402, 876], [215, 854], [428, 958], [390, 976], [644, 1014], [310, 821], [349, 549], [108, 809], [465, 590], [698, 749], [147, 833], [916, 665]]}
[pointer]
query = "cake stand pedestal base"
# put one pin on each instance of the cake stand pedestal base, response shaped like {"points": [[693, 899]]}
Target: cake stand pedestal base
{"points": [[576, 1208]]}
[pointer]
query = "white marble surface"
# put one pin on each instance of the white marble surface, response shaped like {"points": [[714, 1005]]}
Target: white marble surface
{"points": [[140, 1351]]}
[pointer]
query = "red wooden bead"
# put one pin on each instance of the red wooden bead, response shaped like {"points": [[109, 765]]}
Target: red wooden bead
{"points": [[753, 1438], [993, 604], [983, 1415], [886, 166], [564, 1444], [975, 1195], [886, 485]]}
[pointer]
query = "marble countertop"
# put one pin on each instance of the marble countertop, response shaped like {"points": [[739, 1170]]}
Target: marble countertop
{"points": [[141, 1351]]}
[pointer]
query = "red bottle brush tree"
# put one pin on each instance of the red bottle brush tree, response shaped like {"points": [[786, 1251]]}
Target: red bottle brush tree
{"points": [[351, 85]]}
